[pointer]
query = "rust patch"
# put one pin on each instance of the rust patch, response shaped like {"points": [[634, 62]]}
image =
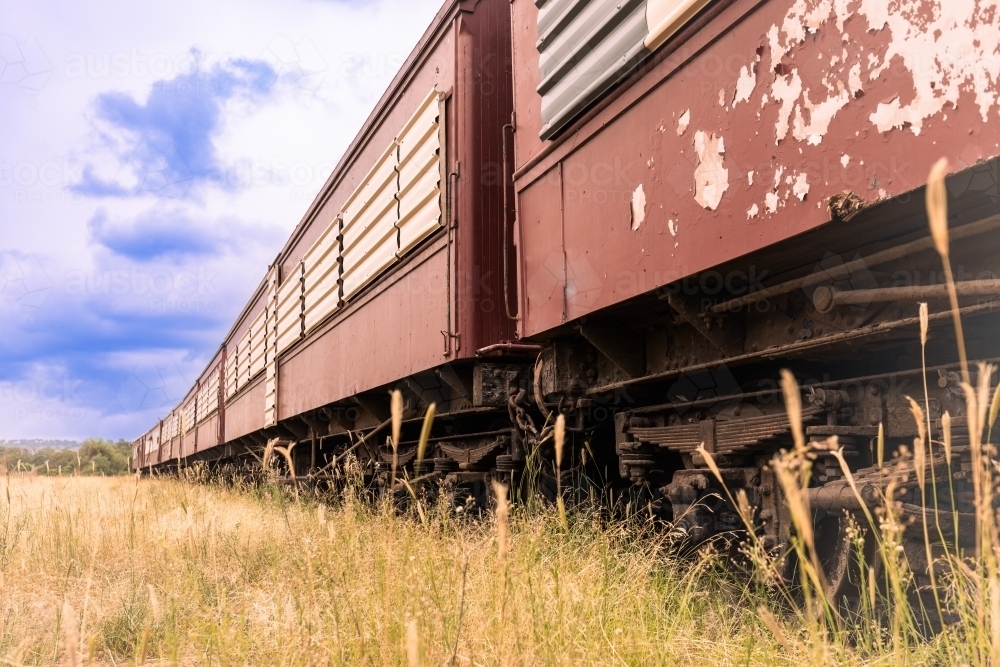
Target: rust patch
{"points": [[846, 205]]}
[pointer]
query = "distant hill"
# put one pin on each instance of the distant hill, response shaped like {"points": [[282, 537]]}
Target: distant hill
{"points": [[38, 443]]}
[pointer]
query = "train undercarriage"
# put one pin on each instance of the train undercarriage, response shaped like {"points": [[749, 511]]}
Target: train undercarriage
{"points": [[659, 391]]}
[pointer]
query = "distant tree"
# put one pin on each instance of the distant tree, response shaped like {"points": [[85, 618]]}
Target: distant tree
{"points": [[103, 457], [95, 456]]}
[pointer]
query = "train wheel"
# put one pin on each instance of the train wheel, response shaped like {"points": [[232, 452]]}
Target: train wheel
{"points": [[845, 565], [846, 552]]}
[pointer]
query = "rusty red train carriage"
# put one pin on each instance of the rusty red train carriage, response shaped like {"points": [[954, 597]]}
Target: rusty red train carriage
{"points": [[632, 213]]}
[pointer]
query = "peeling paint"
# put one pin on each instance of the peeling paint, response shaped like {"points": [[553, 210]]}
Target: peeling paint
{"points": [[683, 122], [946, 51], [638, 207], [801, 187], [820, 116], [854, 80], [963, 33], [845, 160], [771, 202], [711, 178], [787, 90], [752, 211], [672, 226], [777, 176], [750, 177], [744, 85]]}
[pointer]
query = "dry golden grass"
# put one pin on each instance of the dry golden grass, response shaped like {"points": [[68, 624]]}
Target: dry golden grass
{"points": [[167, 571]]}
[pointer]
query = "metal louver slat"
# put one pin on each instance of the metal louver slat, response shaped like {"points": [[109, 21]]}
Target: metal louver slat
{"points": [[208, 397], [370, 215], [289, 325], [321, 289], [168, 426], [243, 367], [271, 350], [257, 344], [189, 416], [420, 175], [585, 48], [232, 374]]}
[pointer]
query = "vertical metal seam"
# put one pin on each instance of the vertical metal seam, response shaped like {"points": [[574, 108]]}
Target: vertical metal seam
{"points": [[562, 242]]}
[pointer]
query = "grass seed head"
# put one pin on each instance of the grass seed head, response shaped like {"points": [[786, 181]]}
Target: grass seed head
{"points": [[919, 459], [425, 432], [946, 431], [995, 407], [396, 406], [881, 445], [937, 206], [503, 513], [560, 439], [924, 323], [154, 604], [793, 405]]}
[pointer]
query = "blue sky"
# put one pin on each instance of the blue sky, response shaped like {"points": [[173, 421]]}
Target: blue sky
{"points": [[153, 159]]}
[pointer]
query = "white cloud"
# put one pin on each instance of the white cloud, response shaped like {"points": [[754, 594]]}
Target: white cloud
{"points": [[334, 60]]}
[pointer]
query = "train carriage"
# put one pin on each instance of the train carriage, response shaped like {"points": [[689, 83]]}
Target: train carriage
{"points": [[634, 214]]}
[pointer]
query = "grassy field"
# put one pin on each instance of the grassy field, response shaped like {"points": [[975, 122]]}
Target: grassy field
{"points": [[127, 571], [169, 571]]}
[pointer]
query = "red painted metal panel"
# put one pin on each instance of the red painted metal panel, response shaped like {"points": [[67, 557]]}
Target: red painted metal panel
{"points": [[245, 413], [541, 250], [189, 443], [393, 331], [208, 433], [482, 107], [775, 126]]}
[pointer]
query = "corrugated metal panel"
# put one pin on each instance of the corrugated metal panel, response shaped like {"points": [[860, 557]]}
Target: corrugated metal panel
{"points": [[208, 396], [289, 306], [369, 234], [420, 174], [321, 288], [585, 47], [232, 370], [243, 367], [168, 424], [271, 345], [188, 415], [257, 341]]}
